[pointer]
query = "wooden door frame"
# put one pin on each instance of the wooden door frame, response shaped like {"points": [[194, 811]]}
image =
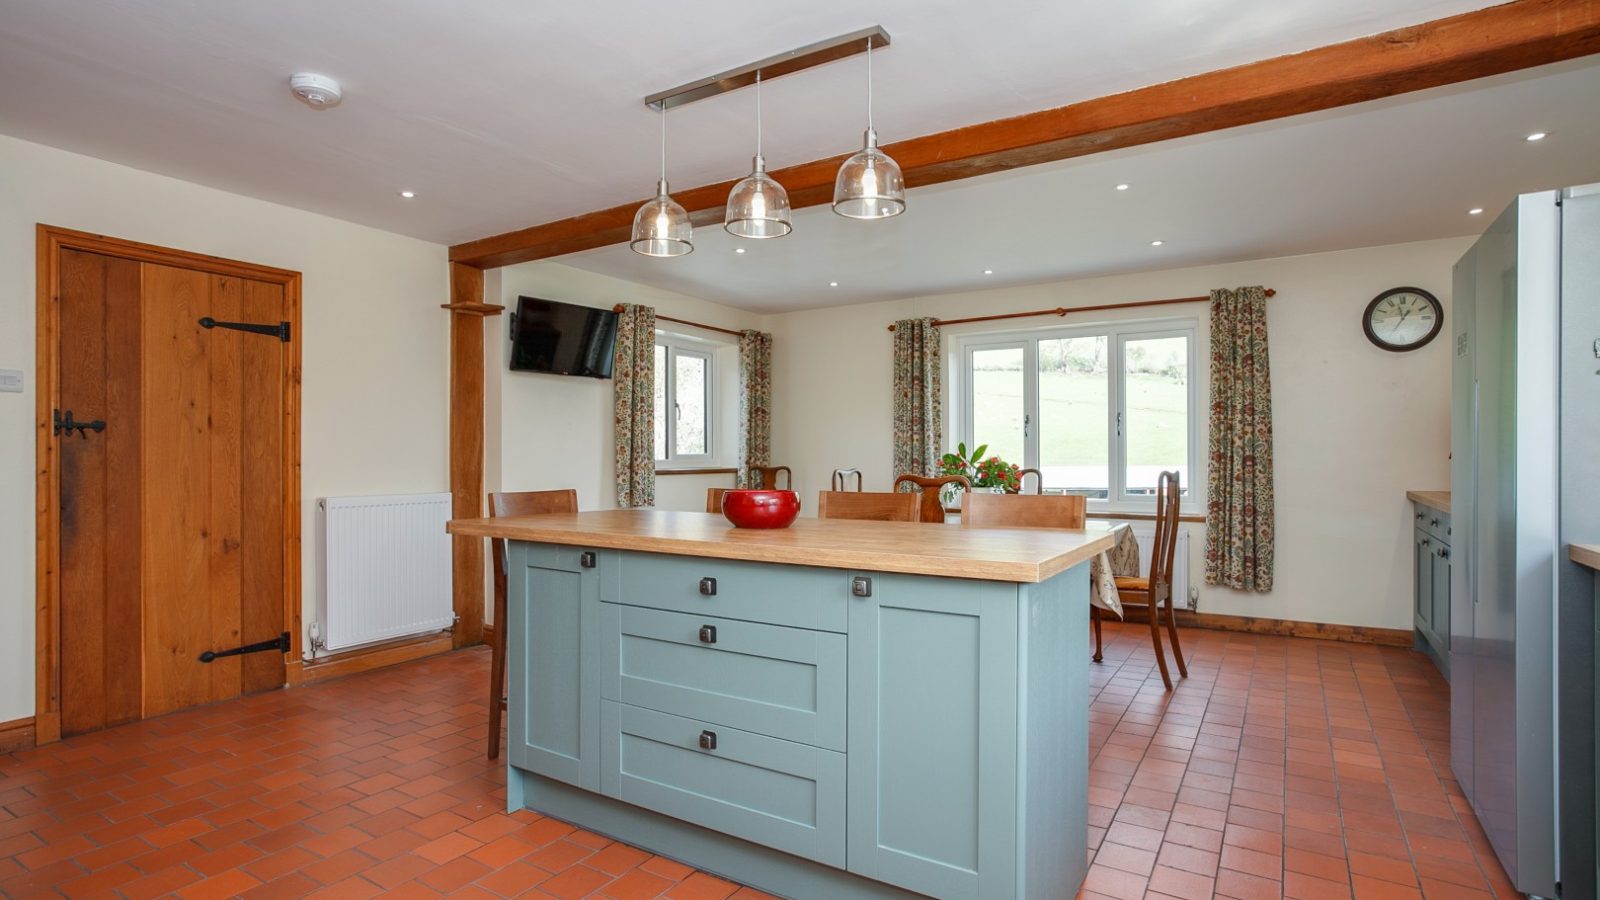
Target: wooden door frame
{"points": [[47, 619]]}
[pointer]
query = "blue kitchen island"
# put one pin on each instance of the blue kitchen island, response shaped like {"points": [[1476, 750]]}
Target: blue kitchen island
{"points": [[838, 709]]}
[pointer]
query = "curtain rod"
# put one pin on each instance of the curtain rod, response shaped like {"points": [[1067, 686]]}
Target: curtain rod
{"points": [[1062, 310], [618, 308]]}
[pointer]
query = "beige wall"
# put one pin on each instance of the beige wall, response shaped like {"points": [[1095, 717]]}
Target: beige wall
{"points": [[374, 354], [1355, 426]]}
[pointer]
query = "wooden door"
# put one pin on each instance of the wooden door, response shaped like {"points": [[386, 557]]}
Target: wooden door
{"points": [[172, 516]]}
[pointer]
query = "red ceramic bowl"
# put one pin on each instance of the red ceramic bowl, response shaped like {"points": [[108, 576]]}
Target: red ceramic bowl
{"points": [[761, 509]]}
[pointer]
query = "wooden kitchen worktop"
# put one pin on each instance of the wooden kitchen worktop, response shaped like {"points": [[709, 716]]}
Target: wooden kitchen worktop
{"points": [[1439, 500], [1586, 554], [993, 554]]}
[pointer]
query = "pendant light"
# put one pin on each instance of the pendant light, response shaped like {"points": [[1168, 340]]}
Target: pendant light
{"points": [[661, 227], [869, 185], [758, 206]]}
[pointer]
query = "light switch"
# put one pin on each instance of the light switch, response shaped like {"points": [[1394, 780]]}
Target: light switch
{"points": [[10, 381]]}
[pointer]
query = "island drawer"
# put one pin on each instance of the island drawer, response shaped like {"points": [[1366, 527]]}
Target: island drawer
{"points": [[797, 596], [767, 679], [776, 793], [1434, 522]]}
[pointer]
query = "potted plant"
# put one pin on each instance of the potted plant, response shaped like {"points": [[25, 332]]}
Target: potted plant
{"points": [[991, 472]]}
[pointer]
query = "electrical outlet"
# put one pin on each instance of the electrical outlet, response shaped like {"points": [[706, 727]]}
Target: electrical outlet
{"points": [[10, 381]]}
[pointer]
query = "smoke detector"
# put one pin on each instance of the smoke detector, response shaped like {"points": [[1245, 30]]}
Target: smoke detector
{"points": [[316, 91]]}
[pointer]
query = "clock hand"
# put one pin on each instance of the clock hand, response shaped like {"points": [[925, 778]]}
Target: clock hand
{"points": [[1402, 321]]}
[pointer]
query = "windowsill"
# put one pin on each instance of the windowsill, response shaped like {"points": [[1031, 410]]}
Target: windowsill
{"points": [[697, 470]]}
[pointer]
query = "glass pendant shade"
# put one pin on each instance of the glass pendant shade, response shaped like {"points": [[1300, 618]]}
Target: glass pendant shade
{"points": [[661, 227], [869, 185], [758, 206]]}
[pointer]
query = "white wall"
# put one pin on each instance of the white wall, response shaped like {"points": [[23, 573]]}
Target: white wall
{"points": [[375, 352], [555, 431], [1355, 426]]}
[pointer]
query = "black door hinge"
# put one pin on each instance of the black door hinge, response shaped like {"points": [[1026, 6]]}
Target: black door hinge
{"points": [[280, 330], [279, 643]]}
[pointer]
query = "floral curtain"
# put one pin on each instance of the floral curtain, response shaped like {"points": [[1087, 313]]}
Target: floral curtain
{"points": [[755, 403], [918, 397], [1239, 513], [633, 375]]}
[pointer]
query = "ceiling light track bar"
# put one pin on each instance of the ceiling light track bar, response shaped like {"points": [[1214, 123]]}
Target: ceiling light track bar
{"points": [[797, 60]]}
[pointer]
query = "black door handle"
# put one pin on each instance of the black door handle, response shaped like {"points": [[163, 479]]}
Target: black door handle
{"points": [[66, 425]]}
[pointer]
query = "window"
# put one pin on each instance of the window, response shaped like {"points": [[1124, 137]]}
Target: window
{"points": [[685, 404], [1099, 411]]}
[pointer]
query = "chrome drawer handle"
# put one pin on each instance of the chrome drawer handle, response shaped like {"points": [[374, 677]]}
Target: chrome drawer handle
{"points": [[708, 634], [708, 586], [708, 740]]}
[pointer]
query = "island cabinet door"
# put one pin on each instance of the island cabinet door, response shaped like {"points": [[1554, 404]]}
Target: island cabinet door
{"points": [[553, 649], [932, 757]]}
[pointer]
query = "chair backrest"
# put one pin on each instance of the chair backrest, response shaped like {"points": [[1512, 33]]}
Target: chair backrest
{"points": [[1166, 537], [714, 499], [984, 510], [766, 478], [1022, 481], [841, 476], [523, 503], [932, 490], [886, 507]]}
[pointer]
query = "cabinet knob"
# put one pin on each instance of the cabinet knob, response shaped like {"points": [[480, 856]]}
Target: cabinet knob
{"points": [[861, 586], [1444, 552], [708, 740], [586, 559], [1419, 517], [708, 586], [1434, 521], [708, 634]]}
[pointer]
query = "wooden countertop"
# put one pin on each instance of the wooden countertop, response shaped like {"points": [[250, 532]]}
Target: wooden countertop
{"points": [[1439, 500], [992, 554], [1586, 554]]}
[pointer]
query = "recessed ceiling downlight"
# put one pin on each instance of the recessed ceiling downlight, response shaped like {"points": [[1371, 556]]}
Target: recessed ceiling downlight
{"points": [[315, 91]]}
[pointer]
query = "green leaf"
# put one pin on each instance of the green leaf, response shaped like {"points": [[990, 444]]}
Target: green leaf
{"points": [[961, 448], [978, 453]]}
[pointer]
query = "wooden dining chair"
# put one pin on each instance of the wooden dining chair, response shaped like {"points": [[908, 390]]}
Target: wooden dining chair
{"points": [[1155, 593], [521, 503], [841, 478], [766, 478], [714, 499], [1022, 481], [876, 505], [932, 490], [985, 510]]}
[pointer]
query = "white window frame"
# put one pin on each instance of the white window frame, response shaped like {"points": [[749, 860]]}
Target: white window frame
{"points": [[676, 346], [1117, 334]]}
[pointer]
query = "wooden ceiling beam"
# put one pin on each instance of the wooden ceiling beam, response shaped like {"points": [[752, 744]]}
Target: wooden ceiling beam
{"points": [[1506, 38]]}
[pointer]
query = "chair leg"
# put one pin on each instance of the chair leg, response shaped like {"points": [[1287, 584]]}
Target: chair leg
{"points": [[1172, 631], [497, 675], [1094, 619], [1155, 636]]}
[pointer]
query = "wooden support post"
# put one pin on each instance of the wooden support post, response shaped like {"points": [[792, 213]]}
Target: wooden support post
{"points": [[467, 311]]}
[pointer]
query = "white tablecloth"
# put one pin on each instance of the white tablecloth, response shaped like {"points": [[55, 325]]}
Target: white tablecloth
{"points": [[1121, 559]]}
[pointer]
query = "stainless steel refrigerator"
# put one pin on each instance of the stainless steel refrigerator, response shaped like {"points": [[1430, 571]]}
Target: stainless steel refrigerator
{"points": [[1525, 483]]}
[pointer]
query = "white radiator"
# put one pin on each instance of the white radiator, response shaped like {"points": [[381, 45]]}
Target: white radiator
{"points": [[385, 569], [1146, 533]]}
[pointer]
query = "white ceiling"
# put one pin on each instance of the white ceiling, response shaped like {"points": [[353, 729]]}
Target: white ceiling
{"points": [[1391, 171], [506, 113]]}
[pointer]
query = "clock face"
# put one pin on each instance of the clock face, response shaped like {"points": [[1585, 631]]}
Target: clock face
{"points": [[1403, 319]]}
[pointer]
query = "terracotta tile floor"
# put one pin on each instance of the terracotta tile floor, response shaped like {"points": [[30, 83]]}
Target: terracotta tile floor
{"points": [[1281, 767]]}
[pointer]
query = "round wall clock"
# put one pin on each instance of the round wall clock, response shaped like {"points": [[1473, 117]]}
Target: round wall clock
{"points": [[1402, 318]]}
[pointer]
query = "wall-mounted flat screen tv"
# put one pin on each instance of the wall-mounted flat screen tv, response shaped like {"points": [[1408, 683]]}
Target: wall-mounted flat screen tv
{"points": [[562, 338]]}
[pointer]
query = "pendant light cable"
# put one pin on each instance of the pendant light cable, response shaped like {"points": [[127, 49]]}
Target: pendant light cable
{"points": [[758, 112], [869, 83]]}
